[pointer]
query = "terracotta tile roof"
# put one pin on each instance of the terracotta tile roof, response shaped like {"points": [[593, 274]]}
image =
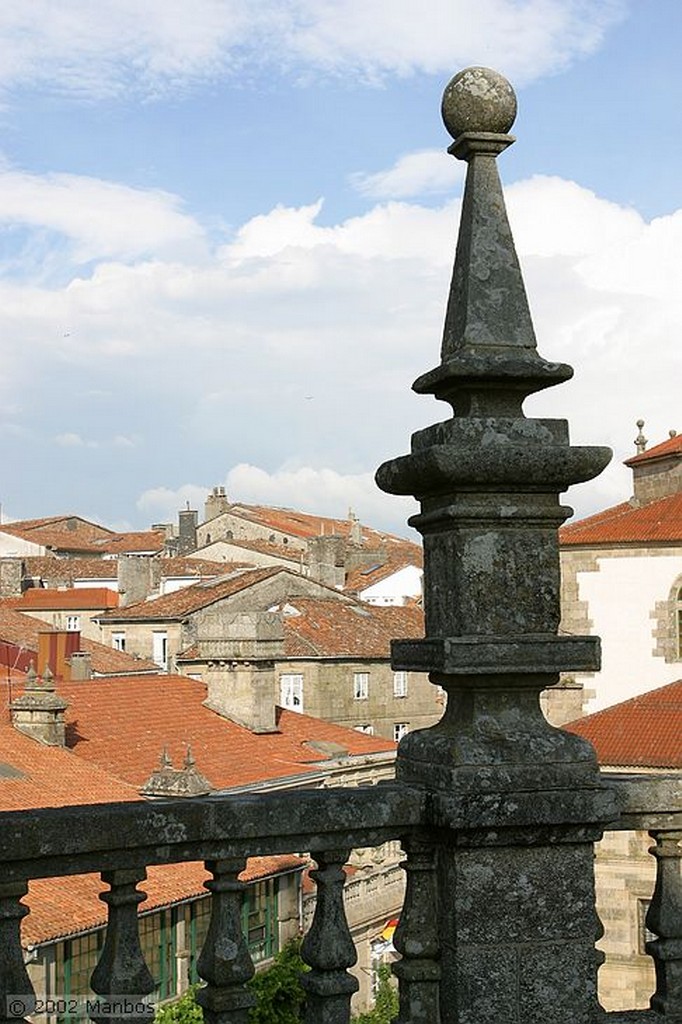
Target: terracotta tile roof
{"points": [[65, 571], [199, 595], [20, 629], [79, 598], [62, 524], [264, 546], [63, 533], [673, 446], [643, 732], [186, 565], [656, 522], [306, 525], [64, 906], [122, 723], [332, 629], [135, 541]]}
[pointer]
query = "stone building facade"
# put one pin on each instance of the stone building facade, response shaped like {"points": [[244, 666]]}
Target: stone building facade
{"points": [[632, 552]]}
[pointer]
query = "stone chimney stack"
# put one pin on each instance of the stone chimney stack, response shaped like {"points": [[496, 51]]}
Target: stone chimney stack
{"points": [[135, 579], [188, 520], [327, 559], [11, 576], [81, 665], [39, 712], [167, 781], [242, 649], [216, 502]]}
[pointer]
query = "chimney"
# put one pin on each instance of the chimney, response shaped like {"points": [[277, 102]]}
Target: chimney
{"points": [[39, 712], [326, 560], [11, 576], [135, 578], [216, 503], [81, 665], [55, 649], [187, 531], [167, 781], [241, 679]]}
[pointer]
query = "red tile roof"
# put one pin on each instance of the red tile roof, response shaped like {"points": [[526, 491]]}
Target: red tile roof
{"points": [[78, 598], [673, 446], [643, 732], [135, 541], [64, 906], [20, 629], [122, 723], [656, 522], [64, 571], [63, 533], [33, 775], [199, 595], [332, 629]]}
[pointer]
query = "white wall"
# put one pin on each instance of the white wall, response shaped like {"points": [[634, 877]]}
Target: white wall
{"points": [[395, 589], [622, 597]]}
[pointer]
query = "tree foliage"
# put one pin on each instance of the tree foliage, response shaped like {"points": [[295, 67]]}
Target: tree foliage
{"points": [[386, 1002], [184, 1010], [278, 990]]}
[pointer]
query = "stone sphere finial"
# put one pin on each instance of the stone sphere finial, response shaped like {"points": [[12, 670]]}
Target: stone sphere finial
{"points": [[478, 100]]}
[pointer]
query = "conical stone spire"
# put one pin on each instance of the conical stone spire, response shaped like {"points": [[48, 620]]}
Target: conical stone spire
{"points": [[488, 481]]}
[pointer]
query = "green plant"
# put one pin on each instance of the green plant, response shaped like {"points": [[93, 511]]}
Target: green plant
{"points": [[386, 1002], [184, 1010], [279, 993]]}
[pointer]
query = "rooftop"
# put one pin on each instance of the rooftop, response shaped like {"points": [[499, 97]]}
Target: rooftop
{"points": [[656, 522], [120, 724], [81, 597], [330, 629], [643, 732], [673, 446]]}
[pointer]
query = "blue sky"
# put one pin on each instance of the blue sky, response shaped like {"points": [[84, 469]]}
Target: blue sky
{"points": [[226, 234]]}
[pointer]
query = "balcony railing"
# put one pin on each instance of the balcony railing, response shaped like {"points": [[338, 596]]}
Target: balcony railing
{"points": [[122, 840]]}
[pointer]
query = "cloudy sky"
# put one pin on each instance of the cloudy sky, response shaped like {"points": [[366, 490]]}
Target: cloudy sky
{"points": [[227, 228]]}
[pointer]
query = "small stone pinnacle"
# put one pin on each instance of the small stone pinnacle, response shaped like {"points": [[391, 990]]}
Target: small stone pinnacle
{"points": [[478, 100]]}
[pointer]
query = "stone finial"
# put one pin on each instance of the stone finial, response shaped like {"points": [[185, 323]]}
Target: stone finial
{"points": [[640, 441], [672, 434], [488, 480], [167, 781]]}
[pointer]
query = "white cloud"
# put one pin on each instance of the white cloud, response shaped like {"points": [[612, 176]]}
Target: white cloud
{"points": [[413, 174], [156, 45], [322, 491], [295, 345], [101, 219]]}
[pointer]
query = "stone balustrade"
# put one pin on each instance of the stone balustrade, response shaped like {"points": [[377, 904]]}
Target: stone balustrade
{"points": [[122, 840]]}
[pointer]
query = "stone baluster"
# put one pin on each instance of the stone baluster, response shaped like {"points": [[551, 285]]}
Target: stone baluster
{"points": [[225, 964], [121, 976], [664, 918], [328, 946], [416, 938], [16, 991]]}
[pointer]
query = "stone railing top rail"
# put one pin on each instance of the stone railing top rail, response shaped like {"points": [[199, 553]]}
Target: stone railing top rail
{"points": [[647, 802]]}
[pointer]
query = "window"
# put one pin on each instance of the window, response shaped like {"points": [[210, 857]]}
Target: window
{"points": [[75, 960], [157, 939], [400, 684], [400, 729], [291, 692], [678, 616], [369, 729], [160, 649], [259, 919], [118, 641], [73, 623], [361, 685]]}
